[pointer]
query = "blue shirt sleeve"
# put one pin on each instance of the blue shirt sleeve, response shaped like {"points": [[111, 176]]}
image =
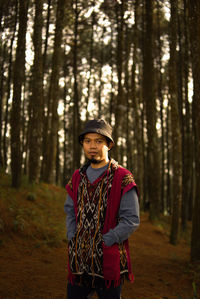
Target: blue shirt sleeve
{"points": [[71, 217], [129, 219]]}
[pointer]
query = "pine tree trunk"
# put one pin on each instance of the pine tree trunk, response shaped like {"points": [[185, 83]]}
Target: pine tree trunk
{"points": [[54, 94], [120, 97], [18, 80], [36, 99], [46, 104], [25, 132], [160, 97], [57, 180], [138, 166], [175, 127], [90, 61], [65, 129], [168, 166], [6, 119], [76, 117], [153, 159], [187, 142], [100, 76], [1, 93], [127, 51], [194, 18], [3, 55], [111, 100]]}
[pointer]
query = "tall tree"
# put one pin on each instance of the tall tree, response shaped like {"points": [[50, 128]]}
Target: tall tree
{"points": [[2, 66], [138, 166], [160, 97], [37, 95], [187, 140], [153, 161], [76, 104], [175, 126], [46, 100], [50, 159], [65, 128], [8, 87], [91, 53], [100, 74], [18, 80], [119, 60], [127, 96], [194, 19]]}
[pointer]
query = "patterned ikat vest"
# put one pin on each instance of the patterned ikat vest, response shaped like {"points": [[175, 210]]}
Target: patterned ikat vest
{"points": [[87, 252]]}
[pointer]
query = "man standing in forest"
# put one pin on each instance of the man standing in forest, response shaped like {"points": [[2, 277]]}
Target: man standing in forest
{"points": [[102, 211]]}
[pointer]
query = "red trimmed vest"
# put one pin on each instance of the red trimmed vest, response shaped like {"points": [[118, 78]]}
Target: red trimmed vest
{"points": [[96, 209]]}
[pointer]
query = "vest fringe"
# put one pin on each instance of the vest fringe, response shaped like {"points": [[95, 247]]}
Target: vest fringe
{"points": [[108, 283], [71, 278], [116, 283], [131, 277]]}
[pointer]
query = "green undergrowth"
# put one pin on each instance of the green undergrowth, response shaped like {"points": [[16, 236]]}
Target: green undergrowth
{"points": [[33, 212]]}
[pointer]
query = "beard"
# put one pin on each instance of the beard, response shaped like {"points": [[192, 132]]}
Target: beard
{"points": [[94, 161]]}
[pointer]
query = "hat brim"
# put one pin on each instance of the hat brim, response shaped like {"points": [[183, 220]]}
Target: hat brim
{"points": [[97, 131]]}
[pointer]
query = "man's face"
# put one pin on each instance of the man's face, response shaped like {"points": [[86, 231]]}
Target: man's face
{"points": [[96, 148]]}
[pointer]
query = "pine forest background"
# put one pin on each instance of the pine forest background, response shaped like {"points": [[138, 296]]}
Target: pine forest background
{"points": [[135, 64]]}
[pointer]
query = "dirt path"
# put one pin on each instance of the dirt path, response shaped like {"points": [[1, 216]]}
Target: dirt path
{"points": [[161, 270]]}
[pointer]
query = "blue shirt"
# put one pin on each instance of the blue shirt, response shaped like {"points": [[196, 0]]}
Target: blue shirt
{"points": [[128, 213]]}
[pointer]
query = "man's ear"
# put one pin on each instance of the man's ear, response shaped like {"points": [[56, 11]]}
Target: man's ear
{"points": [[110, 145]]}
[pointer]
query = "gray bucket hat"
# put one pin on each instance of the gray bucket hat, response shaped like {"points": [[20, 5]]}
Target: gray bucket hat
{"points": [[99, 126]]}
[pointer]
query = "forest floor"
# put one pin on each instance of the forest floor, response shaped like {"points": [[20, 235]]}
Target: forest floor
{"points": [[33, 261]]}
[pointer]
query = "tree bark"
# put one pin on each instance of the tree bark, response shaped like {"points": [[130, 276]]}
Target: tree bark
{"points": [[19, 72], [100, 75], [65, 127], [153, 160], [160, 97], [3, 55], [194, 22], [175, 127], [46, 103], [9, 80], [187, 141], [138, 166], [90, 61], [76, 116], [120, 97], [36, 99], [54, 93]]}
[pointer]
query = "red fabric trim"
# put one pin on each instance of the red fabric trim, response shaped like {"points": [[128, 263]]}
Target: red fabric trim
{"points": [[113, 205], [74, 192], [114, 199], [129, 187], [69, 191]]}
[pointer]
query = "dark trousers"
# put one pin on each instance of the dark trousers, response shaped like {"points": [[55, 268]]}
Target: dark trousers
{"points": [[83, 292]]}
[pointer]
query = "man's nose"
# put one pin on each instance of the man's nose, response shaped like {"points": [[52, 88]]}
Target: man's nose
{"points": [[93, 144]]}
